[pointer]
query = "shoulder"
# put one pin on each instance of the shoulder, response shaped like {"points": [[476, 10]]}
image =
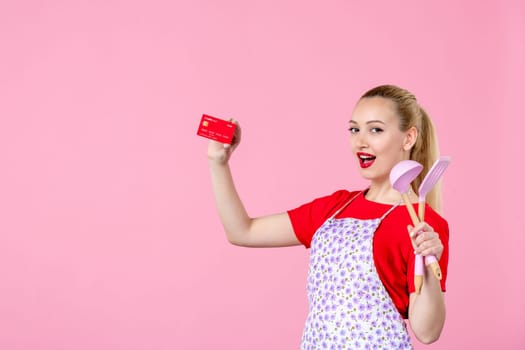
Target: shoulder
{"points": [[329, 204]]}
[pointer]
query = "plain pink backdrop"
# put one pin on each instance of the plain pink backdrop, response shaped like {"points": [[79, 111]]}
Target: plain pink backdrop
{"points": [[109, 237]]}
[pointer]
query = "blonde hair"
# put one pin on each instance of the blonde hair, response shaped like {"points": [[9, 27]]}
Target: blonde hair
{"points": [[411, 114]]}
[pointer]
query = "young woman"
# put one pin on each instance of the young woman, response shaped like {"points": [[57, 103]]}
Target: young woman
{"points": [[360, 282]]}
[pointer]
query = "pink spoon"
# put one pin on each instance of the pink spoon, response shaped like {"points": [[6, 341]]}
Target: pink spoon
{"points": [[401, 175], [430, 180]]}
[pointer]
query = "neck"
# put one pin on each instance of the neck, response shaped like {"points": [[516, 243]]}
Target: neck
{"points": [[386, 194]]}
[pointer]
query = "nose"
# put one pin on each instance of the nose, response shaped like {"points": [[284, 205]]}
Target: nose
{"points": [[360, 141]]}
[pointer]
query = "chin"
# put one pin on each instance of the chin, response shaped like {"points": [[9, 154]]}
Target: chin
{"points": [[366, 174]]}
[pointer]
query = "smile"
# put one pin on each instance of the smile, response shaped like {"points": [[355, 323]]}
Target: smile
{"points": [[365, 159]]}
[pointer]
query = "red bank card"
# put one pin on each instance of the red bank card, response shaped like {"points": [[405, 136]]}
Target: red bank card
{"points": [[216, 129]]}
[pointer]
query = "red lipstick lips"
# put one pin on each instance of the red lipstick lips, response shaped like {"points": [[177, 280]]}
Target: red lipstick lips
{"points": [[365, 159]]}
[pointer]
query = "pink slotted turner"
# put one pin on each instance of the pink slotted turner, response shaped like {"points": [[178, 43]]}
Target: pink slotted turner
{"points": [[430, 180], [434, 174]]}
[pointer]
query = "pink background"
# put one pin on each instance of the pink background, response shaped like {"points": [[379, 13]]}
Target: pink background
{"points": [[109, 238]]}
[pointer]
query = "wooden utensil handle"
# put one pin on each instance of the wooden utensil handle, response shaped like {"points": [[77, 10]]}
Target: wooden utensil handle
{"points": [[430, 260], [436, 269], [410, 209], [421, 210]]}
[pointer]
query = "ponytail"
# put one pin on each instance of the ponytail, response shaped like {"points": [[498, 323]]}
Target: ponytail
{"points": [[426, 152]]}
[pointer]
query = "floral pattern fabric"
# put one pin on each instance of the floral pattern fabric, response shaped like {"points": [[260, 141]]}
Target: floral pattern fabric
{"points": [[349, 308]]}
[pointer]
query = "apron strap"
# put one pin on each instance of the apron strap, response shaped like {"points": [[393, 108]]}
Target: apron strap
{"points": [[389, 210], [354, 197], [344, 206]]}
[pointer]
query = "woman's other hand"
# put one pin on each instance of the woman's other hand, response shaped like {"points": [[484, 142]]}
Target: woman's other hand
{"points": [[425, 240]]}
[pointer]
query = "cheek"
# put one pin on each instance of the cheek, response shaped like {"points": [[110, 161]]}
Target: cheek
{"points": [[382, 146], [391, 145]]}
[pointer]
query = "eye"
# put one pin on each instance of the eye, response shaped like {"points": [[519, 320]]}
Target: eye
{"points": [[376, 130], [353, 130]]}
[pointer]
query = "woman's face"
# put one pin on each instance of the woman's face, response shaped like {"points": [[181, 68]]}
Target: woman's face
{"points": [[375, 138]]}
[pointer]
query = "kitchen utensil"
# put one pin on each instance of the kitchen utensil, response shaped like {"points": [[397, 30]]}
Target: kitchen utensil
{"points": [[401, 175], [430, 180]]}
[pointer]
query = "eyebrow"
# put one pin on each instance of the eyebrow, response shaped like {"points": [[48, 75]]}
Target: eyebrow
{"points": [[368, 122]]}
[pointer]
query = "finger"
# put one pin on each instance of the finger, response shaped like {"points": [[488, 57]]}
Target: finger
{"points": [[427, 236], [421, 237], [420, 247], [433, 250], [237, 133], [420, 227], [426, 227], [412, 231], [412, 236], [429, 244]]}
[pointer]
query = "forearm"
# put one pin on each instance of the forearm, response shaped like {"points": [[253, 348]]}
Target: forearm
{"points": [[231, 210], [427, 310]]}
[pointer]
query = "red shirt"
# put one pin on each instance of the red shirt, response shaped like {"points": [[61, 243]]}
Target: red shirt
{"points": [[392, 249]]}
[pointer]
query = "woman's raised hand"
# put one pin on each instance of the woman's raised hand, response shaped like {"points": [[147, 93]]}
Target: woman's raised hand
{"points": [[221, 152]]}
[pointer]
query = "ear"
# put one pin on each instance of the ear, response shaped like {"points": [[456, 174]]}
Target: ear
{"points": [[410, 138]]}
